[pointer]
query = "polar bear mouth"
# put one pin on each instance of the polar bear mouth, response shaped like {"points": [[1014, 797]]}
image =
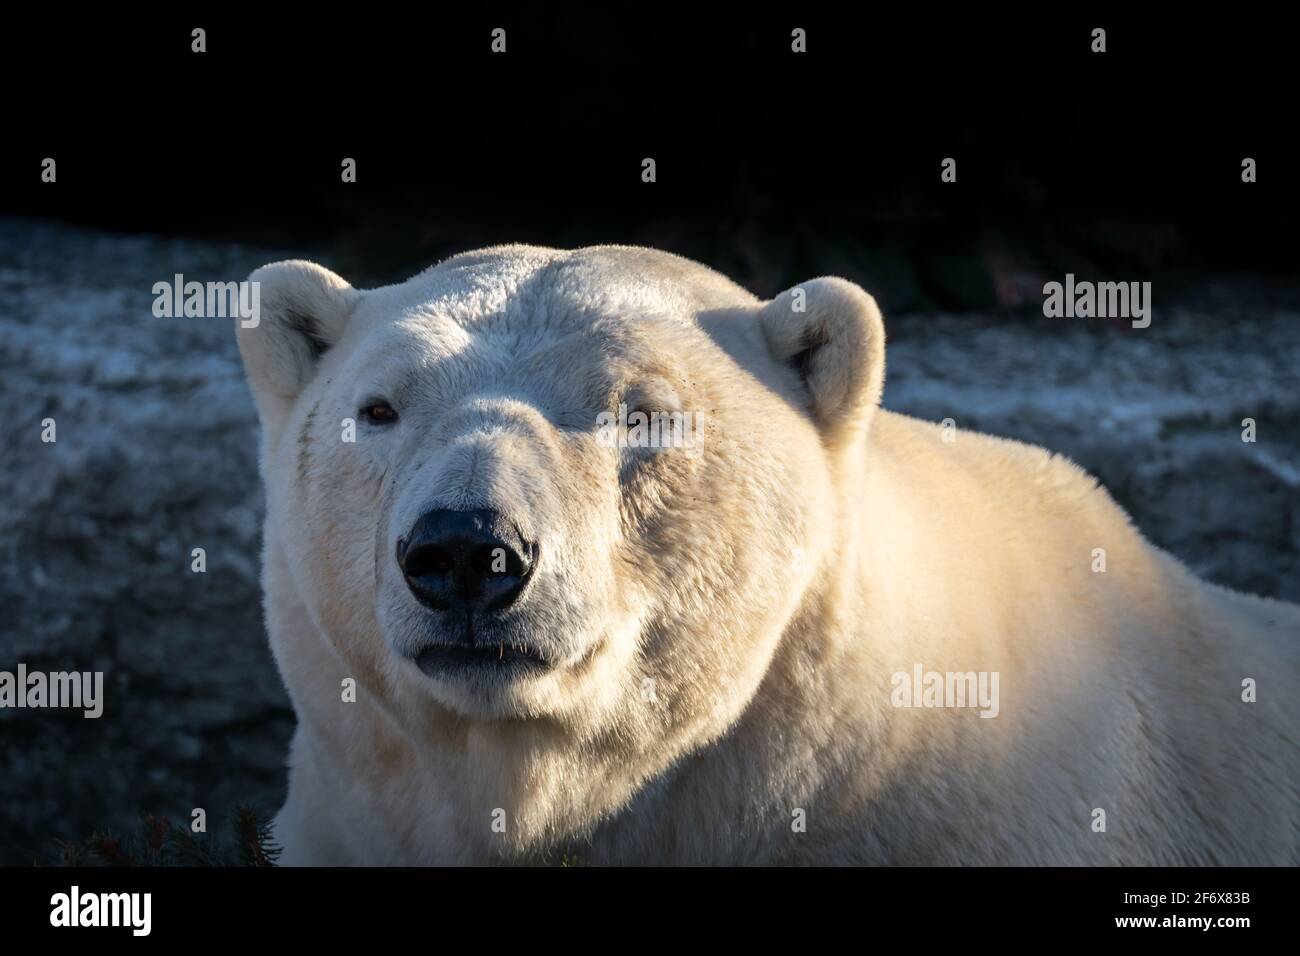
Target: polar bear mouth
{"points": [[443, 659]]}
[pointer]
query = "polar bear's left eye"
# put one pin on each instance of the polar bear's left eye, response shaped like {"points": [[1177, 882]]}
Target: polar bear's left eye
{"points": [[379, 412]]}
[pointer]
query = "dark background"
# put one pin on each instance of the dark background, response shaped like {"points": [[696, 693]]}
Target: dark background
{"points": [[1067, 160], [772, 167]]}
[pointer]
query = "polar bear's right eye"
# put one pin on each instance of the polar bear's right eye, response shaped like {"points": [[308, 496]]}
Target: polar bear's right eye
{"points": [[378, 412]]}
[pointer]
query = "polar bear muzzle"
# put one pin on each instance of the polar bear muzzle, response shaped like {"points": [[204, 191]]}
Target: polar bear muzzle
{"points": [[468, 565], [465, 560]]}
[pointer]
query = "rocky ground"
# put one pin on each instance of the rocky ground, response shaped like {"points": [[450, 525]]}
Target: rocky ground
{"points": [[156, 456]]}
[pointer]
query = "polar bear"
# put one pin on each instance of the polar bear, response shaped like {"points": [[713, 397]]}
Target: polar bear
{"points": [[816, 632]]}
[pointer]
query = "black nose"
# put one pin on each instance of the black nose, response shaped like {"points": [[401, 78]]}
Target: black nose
{"points": [[465, 559]]}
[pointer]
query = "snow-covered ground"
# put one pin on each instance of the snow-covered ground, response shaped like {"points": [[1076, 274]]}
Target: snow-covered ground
{"points": [[156, 456], [1155, 413]]}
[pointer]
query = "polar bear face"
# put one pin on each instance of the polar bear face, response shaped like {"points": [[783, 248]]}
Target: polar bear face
{"points": [[584, 487]]}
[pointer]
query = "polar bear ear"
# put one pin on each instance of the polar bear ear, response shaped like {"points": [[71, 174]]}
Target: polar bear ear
{"points": [[302, 310], [830, 332]]}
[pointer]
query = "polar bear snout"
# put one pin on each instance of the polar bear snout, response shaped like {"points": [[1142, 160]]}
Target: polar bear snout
{"points": [[465, 561]]}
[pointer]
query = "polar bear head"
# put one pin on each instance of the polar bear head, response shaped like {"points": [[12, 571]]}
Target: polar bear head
{"points": [[590, 488]]}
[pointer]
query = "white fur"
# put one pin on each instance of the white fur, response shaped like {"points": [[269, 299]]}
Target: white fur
{"points": [[766, 590]]}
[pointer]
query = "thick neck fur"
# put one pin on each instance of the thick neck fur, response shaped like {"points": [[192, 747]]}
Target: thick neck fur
{"points": [[819, 766]]}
